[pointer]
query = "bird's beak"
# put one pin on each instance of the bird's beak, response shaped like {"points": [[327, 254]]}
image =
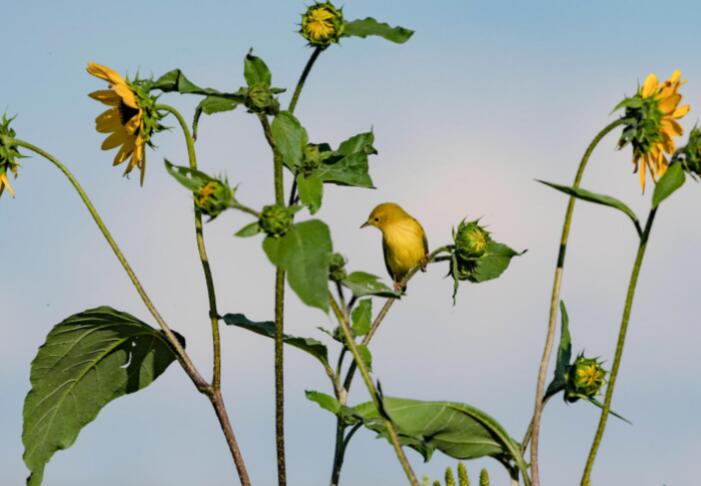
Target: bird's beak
{"points": [[364, 225]]}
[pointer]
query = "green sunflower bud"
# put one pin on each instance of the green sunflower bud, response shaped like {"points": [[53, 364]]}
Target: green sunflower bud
{"points": [[213, 198], [261, 99], [311, 159], [471, 240], [8, 155], [322, 24], [337, 267], [275, 220], [585, 377], [690, 155]]}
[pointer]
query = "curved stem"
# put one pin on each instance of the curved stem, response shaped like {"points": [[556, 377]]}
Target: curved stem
{"points": [[202, 250], [183, 358], [391, 429], [586, 476], [554, 300], [303, 78]]}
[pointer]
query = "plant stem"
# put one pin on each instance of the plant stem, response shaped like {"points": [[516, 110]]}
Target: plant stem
{"points": [[391, 429], [183, 358], [555, 299], [303, 78], [202, 250], [586, 476]]}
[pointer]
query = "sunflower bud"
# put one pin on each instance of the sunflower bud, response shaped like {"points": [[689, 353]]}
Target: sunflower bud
{"points": [[311, 159], [471, 240], [586, 376], [275, 220], [8, 155], [213, 198], [261, 99], [337, 267], [690, 155], [322, 24]]}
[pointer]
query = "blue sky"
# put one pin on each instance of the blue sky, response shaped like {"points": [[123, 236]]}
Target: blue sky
{"points": [[485, 98]]}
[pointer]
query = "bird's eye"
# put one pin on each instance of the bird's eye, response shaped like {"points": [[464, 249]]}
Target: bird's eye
{"points": [[377, 220]]}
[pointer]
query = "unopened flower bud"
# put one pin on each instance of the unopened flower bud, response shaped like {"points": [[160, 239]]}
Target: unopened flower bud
{"points": [[337, 270], [213, 198], [275, 220], [8, 155], [471, 240], [586, 377], [311, 159], [322, 24], [261, 99]]}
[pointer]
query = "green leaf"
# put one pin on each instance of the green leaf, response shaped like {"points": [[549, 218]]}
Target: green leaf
{"points": [[175, 80], [290, 138], [325, 401], [597, 403], [564, 355], [362, 284], [585, 195], [304, 253], [311, 190], [494, 262], [348, 165], [190, 178], [255, 71], [362, 317], [211, 105], [251, 229], [87, 361], [267, 329], [366, 355], [456, 429], [672, 180], [370, 26]]}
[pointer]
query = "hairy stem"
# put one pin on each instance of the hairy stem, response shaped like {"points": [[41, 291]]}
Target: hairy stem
{"points": [[391, 429], [586, 476], [554, 300], [220, 409], [303, 78]]}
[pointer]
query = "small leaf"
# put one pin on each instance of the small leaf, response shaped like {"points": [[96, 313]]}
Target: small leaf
{"points": [[597, 403], [325, 401], [672, 180], [175, 80], [366, 355], [255, 71], [211, 105], [290, 138], [304, 253], [190, 178], [585, 195], [370, 26], [362, 317], [564, 355], [251, 229], [87, 361], [311, 190], [267, 329], [362, 284], [348, 165]]}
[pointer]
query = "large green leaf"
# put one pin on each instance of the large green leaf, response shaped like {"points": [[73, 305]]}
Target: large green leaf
{"points": [[88, 360], [585, 195], [564, 354], [494, 262], [175, 80], [311, 190], [348, 165], [304, 253], [363, 283], [290, 138], [362, 317], [672, 180], [370, 26], [456, 429], [267, 329], [191, 179], [255, 71]]}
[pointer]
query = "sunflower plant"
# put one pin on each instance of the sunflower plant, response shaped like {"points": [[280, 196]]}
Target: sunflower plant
{"points": [[98, 355]]}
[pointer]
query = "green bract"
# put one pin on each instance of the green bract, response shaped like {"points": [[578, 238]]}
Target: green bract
{"points": [[337, 268], [8, 154], [642, 128], [214, 197], [275, 220], [690, 155], [322, 24], [471, 240]]}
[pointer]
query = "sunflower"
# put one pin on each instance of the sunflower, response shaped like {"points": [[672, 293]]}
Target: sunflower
{"points": [[125, 121], [322, 24], [5, 182], [653, 113], [8, 155]]}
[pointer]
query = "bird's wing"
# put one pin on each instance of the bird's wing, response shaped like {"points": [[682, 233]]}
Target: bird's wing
{"points": [[385, 251]]}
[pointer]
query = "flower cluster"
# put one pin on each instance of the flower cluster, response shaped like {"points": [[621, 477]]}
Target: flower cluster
{"points": [[651, 124], [8, 155]]}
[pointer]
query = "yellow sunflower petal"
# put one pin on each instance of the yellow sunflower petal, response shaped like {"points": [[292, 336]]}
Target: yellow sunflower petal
{"points": [[134, 123], [5, 182], [115, 140], [671, 127], [124, 152], [106, 96], [669, 104], [127, 95], [109, 121], [676, 75], [681, 111], [649, 86], [103, 72], [642, 174]]}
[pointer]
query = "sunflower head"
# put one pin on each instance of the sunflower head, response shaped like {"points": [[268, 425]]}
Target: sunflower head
{"points": [[130, 121], [690, 155], [322, 24], [262, 99], [214, 197], [651, 124], [8, 155], [471, 240], [275, 220], [586, 377]]}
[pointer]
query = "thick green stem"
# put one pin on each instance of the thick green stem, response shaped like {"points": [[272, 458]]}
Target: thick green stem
{"points": [[586, 476], [303, 78], [202, 250], [391, 429], [554, 302]]}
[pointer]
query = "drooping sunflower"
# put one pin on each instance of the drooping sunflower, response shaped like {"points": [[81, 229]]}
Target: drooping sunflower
{"points": [[654, 112], [8, 155], [127, 119]]}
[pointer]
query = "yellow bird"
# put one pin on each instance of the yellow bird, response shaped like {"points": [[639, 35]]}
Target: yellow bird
{"points": [[403, 239]]}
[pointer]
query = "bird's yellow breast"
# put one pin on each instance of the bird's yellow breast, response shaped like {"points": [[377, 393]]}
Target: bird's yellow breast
{"points": [[405, 246]]}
